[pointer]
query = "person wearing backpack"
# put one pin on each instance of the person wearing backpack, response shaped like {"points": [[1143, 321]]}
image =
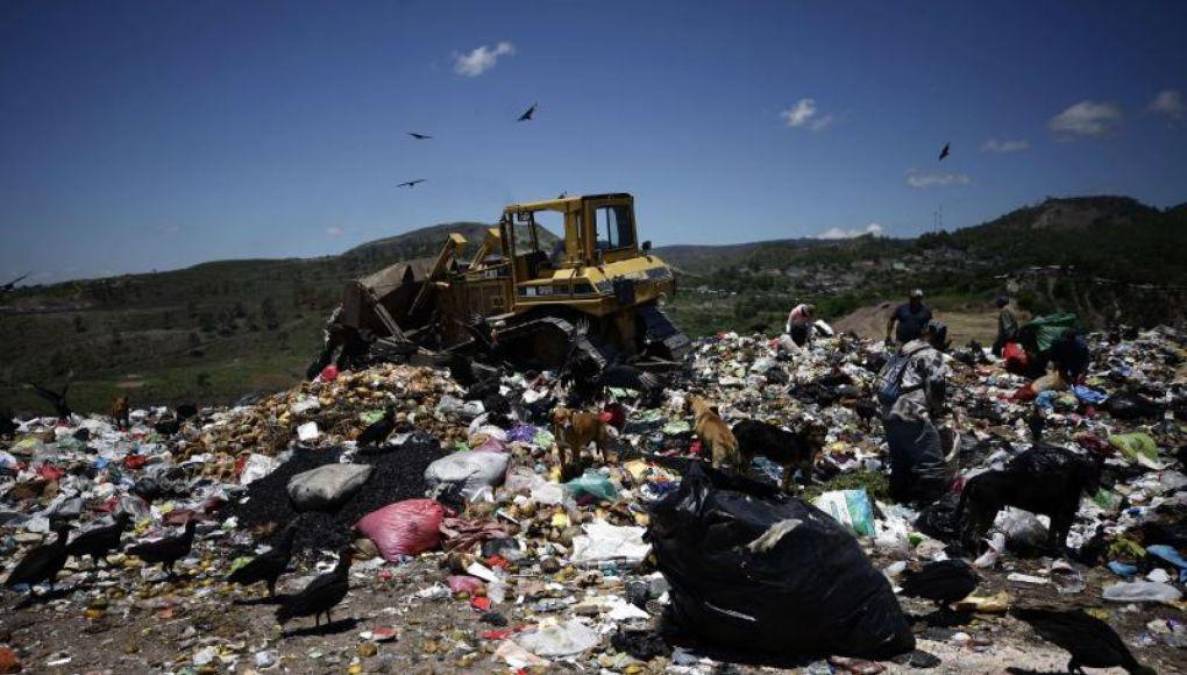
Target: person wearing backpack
{"points": [[910, 389]]}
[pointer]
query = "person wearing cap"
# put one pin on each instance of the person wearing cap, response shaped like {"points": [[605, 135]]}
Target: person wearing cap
{"points": [[918, 471], [1007, 325], [911, 316], [799, 324]]}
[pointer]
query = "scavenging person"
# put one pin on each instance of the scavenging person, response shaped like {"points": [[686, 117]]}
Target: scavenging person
{"points": [[799, 324], [1007, 325], [911, 316], [911, 388]]}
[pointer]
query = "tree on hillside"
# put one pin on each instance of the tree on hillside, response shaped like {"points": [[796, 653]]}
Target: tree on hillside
{"points": [[268, 313]]}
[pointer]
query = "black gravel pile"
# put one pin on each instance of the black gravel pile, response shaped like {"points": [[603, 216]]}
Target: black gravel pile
{"points": [[397, 474]]}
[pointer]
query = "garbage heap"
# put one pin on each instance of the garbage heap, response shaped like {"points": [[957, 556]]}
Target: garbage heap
{"points": [[470, 553]]}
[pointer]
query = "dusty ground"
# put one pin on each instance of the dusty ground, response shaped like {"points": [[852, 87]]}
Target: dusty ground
{"points": [[161, 626], [870, 323]]}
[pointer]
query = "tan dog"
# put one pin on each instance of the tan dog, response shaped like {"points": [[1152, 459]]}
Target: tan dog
{"points": [[574, 430], [715, 436], [120, 411]]}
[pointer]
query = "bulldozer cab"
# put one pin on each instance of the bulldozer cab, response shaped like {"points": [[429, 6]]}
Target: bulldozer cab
{"points": [[594, 230]]}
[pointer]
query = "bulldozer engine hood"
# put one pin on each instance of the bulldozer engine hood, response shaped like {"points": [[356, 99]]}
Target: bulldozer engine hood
{"points": [[623, 283]]}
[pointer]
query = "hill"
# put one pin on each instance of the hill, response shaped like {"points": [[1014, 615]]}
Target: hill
{"points": [[216, 331]]}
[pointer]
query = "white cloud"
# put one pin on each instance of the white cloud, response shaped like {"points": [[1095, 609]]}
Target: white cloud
{"points": [[1004, 146], [838, 233], [1168, 102], [482, 59], [1086, 118], [925, 179], [803, 114], [334, 231]]}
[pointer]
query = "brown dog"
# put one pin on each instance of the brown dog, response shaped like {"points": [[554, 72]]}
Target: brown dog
{"points": [[120, 411], [574, 431], [715, 436], [790, 449]]}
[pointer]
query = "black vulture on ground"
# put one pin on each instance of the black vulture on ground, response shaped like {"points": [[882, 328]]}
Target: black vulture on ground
{"points": [[1090, 641], [41, 563], [100, 541], [943, 582], [320, 596], [167, 551]]}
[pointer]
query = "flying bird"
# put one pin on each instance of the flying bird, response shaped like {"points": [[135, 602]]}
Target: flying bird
{"points": [[1090, 641], [12, 284], [56, 399], [320, 596], [944, 152], [42, 563], [419, 137], [410, 183], [527, 115]]}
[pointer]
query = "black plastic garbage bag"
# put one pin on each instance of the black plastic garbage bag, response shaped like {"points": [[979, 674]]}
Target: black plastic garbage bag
{"points": [[752, 568]]}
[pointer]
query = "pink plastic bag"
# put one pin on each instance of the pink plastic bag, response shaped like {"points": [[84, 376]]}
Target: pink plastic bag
{"points": [[329, 373], [404, 528], [466, 584]]}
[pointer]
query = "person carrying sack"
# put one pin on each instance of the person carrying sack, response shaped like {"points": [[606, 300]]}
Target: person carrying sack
{"points": [[910, 389]]}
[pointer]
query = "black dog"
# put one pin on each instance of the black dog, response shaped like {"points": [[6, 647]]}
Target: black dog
{"points": [[1044, 480], [791, 450]]}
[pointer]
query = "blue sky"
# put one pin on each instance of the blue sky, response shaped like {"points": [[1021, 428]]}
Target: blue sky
{"points": [[147, 135]]}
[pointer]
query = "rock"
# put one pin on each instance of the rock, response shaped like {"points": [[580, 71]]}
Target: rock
{"points": [[368, 649], [326, 485]]}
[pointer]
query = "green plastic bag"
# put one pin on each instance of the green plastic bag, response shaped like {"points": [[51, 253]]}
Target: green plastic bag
{"points": [[1133, 444], [1047, 329], [593, 483]]}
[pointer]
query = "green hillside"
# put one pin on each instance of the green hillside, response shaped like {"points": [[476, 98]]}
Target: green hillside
{"points": [[217, 331]]}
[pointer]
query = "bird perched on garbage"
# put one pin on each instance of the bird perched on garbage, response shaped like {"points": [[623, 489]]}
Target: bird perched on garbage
{"points": [[867, 411], [41, 563], [380, 429], [320, 596], [1036, 423], [167, 551], [419, 137], [1090, 641], [527, 114], [943, 582], [944, 152], [170, 427], [100, 541], [267, 567], [56, 399]]}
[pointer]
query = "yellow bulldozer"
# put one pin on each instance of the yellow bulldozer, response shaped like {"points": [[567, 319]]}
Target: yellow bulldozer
{"points": [[525, 296]]}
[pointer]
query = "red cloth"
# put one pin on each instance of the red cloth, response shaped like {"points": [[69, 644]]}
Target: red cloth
{"points": [[329, 373], [1017, 360]]}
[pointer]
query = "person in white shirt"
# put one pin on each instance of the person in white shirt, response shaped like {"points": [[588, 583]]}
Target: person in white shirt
{"points": [[799, 324]]}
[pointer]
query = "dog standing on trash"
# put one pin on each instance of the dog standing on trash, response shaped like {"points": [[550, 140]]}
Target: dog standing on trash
{"points": [[715, 436], [791, 450], [574, 430], [120, 411]]}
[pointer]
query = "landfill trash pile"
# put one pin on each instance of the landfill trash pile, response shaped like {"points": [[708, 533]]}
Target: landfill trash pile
{"points": [[462, 549]]}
